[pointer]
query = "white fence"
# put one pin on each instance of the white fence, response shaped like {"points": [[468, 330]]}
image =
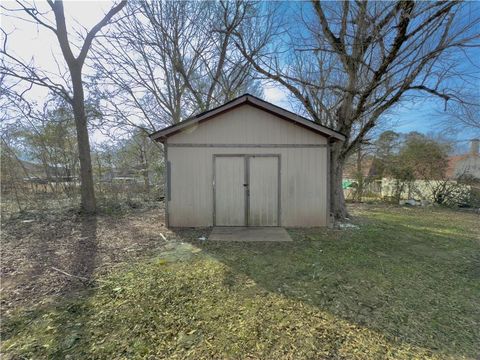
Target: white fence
{"points": [[448, 191]]}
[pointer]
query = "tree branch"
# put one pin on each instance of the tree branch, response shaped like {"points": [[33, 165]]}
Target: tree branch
{"points": [[93, 32]]}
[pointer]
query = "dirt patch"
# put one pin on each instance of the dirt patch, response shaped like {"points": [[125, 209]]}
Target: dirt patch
{"points": [[38, 250]]}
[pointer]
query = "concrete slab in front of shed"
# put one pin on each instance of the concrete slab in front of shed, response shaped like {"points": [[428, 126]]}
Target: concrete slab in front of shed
{"points": [[250, 234]]}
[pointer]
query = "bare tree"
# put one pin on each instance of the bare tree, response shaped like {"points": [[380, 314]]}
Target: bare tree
{"points": [[351, 62], [463, 116], [166, 60], [17, 68]]}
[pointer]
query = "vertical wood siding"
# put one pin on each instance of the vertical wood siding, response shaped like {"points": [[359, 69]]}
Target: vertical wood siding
{"points": [[229, 191], [263, 184], [247, 125], [303, 183]]}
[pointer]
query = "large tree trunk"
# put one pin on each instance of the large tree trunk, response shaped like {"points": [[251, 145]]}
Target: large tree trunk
{"points": [[86, 176], [337, 198]]}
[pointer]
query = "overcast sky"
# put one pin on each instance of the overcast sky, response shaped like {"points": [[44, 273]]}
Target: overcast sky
{"points": [[37, 43]]}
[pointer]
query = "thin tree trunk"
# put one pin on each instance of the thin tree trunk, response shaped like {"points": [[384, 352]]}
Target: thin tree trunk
{"points": [[100, 174], [87, 191], [146, 178], [360, 178], [17, 197], [144, 163], [75, 64]]}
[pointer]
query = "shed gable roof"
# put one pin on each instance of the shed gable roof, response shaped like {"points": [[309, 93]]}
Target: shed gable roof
{"points": [[281, 113]]}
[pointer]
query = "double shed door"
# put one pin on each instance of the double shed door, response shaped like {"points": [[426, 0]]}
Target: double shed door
{"points": [[246, 190]]}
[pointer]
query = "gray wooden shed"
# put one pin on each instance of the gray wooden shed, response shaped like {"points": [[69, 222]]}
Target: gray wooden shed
{"points": [[247, 163]]}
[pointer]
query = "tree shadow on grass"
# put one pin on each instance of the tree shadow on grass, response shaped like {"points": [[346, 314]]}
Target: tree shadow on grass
{"points": [[74, 268], [84, 251], [420, 288], [46, 258], [81, 266]]}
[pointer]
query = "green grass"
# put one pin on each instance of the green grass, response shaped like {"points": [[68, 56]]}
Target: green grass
{"points": [[405, 285]]}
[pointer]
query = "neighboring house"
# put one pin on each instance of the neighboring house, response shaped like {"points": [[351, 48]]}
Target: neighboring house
{"points": [[466, 165], [459, 167], [120, 176], [34, 176], [247, 163], [38, 173]]}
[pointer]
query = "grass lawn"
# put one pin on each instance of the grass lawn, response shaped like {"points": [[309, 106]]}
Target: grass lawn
{"points": [[404, 285]]}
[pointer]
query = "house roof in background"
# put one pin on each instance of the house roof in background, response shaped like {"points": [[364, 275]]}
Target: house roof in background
{"points": [[284, 114], [453, 163]]}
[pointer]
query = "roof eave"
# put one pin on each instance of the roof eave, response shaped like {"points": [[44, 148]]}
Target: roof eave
{"points": [[163, 134], [278, 111]]}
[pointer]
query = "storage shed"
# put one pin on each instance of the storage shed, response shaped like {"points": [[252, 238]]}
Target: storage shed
{"points": [[247, 163]]}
